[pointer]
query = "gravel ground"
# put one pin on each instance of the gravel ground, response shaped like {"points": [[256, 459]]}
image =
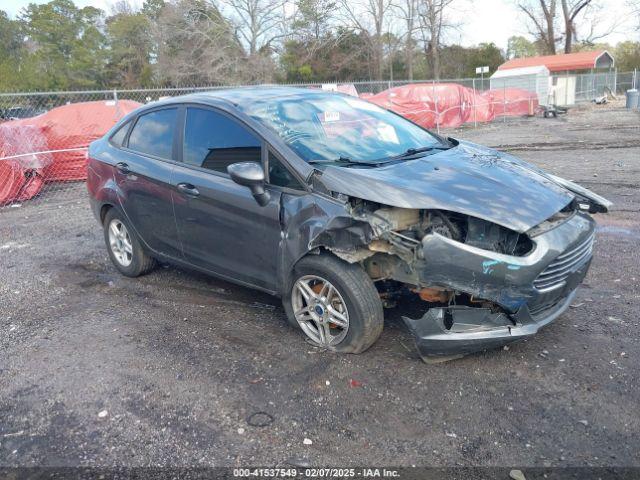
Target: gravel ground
{"points": [[174, 369]]}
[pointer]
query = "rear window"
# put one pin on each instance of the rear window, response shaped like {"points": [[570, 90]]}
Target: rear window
{"points": [[153, 133]]}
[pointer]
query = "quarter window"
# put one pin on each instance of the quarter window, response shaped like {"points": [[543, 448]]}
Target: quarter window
{"points": [[153, 133], [214, 141], [118, 137]]}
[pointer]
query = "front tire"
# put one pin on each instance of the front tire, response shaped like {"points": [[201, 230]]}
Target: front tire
{"points": [[124, 247], [334, 303]]}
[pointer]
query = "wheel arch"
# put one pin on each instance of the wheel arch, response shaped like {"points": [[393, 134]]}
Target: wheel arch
{"points": [[288, 273], [104, 209]]}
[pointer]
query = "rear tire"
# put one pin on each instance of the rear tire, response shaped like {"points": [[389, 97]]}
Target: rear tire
{"points": [[338, 291], [124, 246]]}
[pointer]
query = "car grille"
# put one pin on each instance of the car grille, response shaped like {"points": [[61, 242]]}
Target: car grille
{"points": [[545, 308], [555, 275]]}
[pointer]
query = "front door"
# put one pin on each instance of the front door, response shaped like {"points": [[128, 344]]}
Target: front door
{"points": [[221, 226], [143, 173]]}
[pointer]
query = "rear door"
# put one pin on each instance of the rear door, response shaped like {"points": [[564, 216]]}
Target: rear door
{"points": [[221, 226], [143, 174]]}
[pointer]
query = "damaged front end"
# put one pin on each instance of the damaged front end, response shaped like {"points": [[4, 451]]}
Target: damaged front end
{"points": [[482, 284]]}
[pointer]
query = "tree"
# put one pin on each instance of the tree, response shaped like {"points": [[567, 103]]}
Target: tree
{"points": [[571, 10], [580, 20], [455, 62], [461, 62], [519, 47], [635, 10], [433, 23], [371, 18], [130, 51], [197, 45], [408, 10], [312, 20], [485, 54], [67, 44], [542, 22], [627, 55], [310, 32], [11, 52], [89, 53], [594, 25], [257, 22], [152, 8], [340, 56]]}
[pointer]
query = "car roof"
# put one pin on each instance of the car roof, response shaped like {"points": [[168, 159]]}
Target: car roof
{"points": [[243, 96]]}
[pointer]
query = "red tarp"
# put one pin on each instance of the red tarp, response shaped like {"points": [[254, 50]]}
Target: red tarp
{"points": [[450, 105], [512, 102], [52, 146], [443, 104], [482, 110]]}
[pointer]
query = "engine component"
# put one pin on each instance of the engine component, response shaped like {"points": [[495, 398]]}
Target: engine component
{"points": [[489, 236], [436, 295], [398, 219]]}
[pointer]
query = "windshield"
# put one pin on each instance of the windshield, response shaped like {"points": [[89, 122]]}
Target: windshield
{"points": [[330, 127]]}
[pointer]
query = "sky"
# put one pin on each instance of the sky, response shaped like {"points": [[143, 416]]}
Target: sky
{"points": [[481, 20]]}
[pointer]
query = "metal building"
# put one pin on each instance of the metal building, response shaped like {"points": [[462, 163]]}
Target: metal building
{"points": [[533, 79], [573, 77]]}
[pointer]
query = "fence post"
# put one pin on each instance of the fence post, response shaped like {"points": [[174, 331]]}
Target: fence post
{"points": [[435, 99], [615, 81], [475, 102], [504, 101], [635, 76]]}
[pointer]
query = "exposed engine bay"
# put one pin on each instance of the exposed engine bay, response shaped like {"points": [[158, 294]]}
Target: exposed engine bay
{"points": [[399, 232], [475, 277]]}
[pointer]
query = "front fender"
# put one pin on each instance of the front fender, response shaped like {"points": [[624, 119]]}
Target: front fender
{"points": [[314, 221]]}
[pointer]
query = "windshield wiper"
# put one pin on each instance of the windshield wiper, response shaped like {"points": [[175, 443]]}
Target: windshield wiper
{"points": [[410, 152], [344, 160]]}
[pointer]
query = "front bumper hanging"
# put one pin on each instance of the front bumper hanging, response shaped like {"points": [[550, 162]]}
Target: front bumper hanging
{"points": [[520, 309], [452, 332]]}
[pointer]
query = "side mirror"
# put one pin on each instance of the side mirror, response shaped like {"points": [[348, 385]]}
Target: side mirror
{"points": [[250, 174]]}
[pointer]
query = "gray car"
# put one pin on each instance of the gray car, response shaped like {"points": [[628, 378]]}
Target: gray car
{"points": [[340, 208]]}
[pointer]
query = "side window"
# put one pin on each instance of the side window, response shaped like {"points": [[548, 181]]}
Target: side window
{"points": [[280, 176], [118, 137], [214, 141], [153, 133]]}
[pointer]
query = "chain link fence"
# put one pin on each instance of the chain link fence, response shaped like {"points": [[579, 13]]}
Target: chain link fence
{"points": [[44, 135]]}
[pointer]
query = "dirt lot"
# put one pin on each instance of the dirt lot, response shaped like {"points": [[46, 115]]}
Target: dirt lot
{"points": [[168, 369]]}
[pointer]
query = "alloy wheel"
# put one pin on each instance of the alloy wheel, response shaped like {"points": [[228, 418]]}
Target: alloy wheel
{"points": [[120, 243], [320, 310]]}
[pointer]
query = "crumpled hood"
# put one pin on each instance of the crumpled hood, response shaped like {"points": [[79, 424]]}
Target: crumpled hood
{"points": [[468, 179]]}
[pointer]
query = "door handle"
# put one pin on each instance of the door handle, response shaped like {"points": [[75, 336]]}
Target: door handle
{"points": [[123, 168], [188, 189]]}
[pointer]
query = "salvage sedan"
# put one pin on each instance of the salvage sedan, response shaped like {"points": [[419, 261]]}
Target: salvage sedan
{"points": [[340, 207]]}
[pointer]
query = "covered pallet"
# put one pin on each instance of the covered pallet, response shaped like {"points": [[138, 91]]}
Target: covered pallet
{"points": [[449, 105]]}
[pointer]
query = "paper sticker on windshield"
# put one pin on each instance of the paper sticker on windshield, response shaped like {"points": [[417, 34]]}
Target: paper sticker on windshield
{"points": [[331, 116]]}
